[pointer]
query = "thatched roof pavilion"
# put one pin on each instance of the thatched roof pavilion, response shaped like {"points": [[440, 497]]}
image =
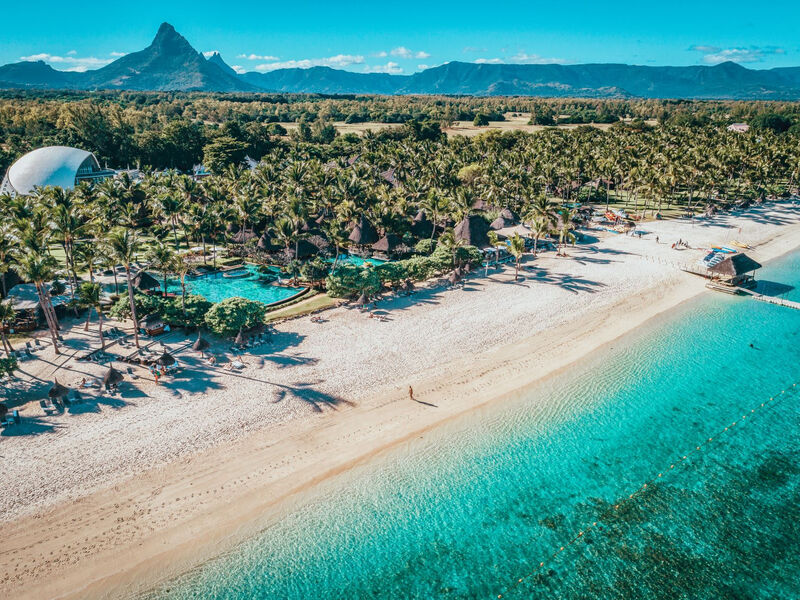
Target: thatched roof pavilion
{"points": [[144, 281], [57, 391], [737, 269], [242, 236], [387, 243], [421, 226], [265, 244], [363, 233], [473, 230], [305, 249]]}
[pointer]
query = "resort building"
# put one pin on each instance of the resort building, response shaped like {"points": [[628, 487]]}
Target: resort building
{"points": [[60, 166]]}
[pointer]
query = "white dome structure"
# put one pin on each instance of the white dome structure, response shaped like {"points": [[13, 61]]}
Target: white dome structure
{"points": [[60, 166]]}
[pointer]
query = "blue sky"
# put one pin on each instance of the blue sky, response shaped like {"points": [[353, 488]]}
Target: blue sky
{"points": [[408, 36]]}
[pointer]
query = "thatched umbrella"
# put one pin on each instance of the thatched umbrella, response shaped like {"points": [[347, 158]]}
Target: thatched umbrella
{"points": [[112, 378], [144, 281], [58, 391], [239, 341], [165, 360], [200, 345], [362, 299], [363, 233]]}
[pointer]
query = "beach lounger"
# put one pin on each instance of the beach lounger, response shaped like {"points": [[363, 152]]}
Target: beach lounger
{"points": [[37, 342], [16, 417], [48, 409]]}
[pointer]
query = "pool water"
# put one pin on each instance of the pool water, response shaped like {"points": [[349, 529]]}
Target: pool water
{"points": [[471, 508], [357, 260], [253, 286]]}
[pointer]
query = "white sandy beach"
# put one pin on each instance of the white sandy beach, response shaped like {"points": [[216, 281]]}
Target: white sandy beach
{"points": [[122, 491]]}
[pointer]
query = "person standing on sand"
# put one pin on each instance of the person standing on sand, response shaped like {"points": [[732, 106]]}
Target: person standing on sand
{"points": [[410, 393]]}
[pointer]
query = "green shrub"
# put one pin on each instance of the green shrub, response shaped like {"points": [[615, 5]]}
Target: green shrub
{"points": [[392, 272], [425, 247], [196, 309], [145, 305], [314, 270], [232, 314], [351, 280]]}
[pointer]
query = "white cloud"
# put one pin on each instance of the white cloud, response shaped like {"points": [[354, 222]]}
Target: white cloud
{"points": [[381, 54], [715, 55], [118, 54], [403, 52], [257, 57], [70, 62], [521, 58], [239, 69], [72, 53], [339, 61], [390, 67]]}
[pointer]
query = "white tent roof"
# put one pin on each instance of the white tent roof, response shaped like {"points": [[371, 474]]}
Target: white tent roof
{"points": [[51, 165]]}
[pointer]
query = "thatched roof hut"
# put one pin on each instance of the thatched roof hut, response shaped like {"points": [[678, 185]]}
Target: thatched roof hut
{"points": [[144, 281], [165, 360], [363, 233], [421, 226], [304, 248], [112, 377], [243, 236], [57, 391], [736, 269], [473, 230], [387, 243], [265, 244]]}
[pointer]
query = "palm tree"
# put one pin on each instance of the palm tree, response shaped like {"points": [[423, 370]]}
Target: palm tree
{"points": [[162, 258], [89, 295], [39, 268], [539, 228], [122, 246], [7, 317], [516, 247], [565, 228]]}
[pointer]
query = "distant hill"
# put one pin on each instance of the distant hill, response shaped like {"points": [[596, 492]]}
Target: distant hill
{"points": [[171, 63]]}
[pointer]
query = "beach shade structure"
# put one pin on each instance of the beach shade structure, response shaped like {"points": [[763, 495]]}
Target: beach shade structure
{"points": [[387, 244], [474, 231], [112, 378], [200, 344], [239, 341], [362, 299], [363, 233], [735, 270], [165, 360], [153, 324], [144, 281], [58, 391], [454, 277]]}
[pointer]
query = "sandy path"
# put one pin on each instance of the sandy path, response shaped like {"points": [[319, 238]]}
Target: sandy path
{"points": [[115, 499]]}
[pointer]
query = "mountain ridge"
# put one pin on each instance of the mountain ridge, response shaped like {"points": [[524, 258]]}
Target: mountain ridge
{"points": [[170, 63]]}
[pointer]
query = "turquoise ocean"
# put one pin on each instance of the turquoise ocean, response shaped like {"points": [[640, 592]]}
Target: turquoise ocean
{"points": [[476, 505]]}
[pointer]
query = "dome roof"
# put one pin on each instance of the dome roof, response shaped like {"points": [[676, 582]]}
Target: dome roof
{"points": [[51, 165]]}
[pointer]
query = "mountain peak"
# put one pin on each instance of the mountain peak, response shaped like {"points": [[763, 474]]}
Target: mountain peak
{"points": [[216, 59], [170, 40]]}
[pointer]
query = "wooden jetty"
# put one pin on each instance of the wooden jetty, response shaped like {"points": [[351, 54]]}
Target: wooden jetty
{"points": [[770, 299]]}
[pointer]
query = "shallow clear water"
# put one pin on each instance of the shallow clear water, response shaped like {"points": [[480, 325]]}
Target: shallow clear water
{"points": [[473, 507], [216, 287]]}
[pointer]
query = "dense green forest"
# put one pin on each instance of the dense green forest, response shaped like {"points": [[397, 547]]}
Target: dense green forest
{"points": [[172, 130]]}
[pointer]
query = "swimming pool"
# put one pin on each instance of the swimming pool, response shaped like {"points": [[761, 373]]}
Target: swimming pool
{"points": [[252, 285], [357, 260]]}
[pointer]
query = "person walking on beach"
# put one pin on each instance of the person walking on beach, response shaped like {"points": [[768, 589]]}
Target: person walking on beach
{"points": [[411, 393]]}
